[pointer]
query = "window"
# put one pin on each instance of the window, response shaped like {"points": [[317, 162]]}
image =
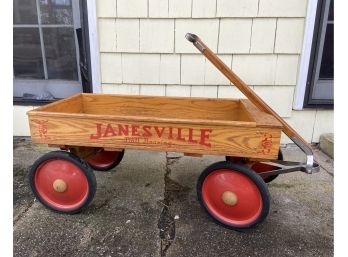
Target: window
{"points": [[320, 82], [45, 49]]}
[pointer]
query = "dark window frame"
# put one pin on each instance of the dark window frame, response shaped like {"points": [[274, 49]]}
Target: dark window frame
{"points": [[84, 62], [308, 101]]}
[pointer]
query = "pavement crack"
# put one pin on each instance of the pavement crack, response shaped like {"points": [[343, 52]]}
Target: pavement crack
{"points": [[166, 222], [22, 213], [102, 204], [173, 191]]}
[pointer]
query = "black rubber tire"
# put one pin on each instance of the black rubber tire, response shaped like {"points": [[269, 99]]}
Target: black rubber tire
{"points": [[250, 174], [111, 166], [81, 164], [266, 179]]}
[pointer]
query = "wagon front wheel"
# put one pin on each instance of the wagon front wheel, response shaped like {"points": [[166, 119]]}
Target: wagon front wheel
{"points": [[105, 160], [233, 195], [62, 182]]}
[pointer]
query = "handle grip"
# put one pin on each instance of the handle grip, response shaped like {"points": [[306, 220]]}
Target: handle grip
{"points": [[191, 37]]}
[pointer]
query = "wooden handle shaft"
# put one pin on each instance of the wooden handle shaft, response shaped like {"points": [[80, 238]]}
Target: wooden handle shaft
{"points": [[249, 93]]}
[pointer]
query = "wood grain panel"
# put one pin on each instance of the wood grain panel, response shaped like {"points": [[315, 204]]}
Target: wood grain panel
{"points": [[262, 119], [196, 139], [151, 109], [145, 119], [71, 104], [163, 107]]}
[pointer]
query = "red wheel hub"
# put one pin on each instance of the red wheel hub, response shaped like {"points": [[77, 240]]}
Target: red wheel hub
{"points": [[222, 183], [61, 184], [103, 159]]}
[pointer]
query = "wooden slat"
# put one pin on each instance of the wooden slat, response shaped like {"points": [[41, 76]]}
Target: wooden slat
{"points": [[162, 107], [193, 126], [146, 119], [71, 104], [262, 119], [192, 138], [151, 109]]}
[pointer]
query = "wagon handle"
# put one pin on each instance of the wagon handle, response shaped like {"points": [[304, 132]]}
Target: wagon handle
{"points": [[252, 96]]}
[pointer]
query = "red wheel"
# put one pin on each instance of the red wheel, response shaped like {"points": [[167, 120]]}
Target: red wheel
{"points": [[105, 160], [233, 195], [62, 182], [258, 167]]}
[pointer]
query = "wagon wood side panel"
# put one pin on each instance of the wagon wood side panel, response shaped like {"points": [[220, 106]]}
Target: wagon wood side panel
{"points": [[164, 107], [262, 119], [257, 142], [73, 104]]}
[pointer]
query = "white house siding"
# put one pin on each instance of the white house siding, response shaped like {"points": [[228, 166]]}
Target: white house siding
{"points": [[20, 120], [143, 50]]}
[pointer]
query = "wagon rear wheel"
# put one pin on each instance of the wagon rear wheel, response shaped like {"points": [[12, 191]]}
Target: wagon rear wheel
{"points": [[62, 182], [105, 160], [258, 167], [233, 195]]}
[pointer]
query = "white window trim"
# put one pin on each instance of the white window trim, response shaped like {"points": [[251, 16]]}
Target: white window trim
{"points": [[305, 55], [94, 45]]}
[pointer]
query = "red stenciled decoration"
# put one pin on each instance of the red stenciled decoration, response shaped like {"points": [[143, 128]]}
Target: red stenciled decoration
{"points": [[152, 134], [266, 143], [42, 127]]}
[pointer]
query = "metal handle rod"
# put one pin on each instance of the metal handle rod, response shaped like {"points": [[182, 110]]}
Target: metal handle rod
{"points": [[251, 95]]}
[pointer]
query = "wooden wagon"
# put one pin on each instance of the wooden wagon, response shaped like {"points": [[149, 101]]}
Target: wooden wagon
{"points": [[93, 130]]}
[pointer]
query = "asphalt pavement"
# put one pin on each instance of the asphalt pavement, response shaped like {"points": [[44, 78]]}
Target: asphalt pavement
{"points": [[147, 206]]}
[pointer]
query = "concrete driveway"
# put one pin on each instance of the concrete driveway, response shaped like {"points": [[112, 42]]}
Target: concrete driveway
{"points": [[147, 207]]}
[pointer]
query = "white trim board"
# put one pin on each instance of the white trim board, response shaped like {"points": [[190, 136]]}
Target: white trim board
{"points": [[94, 45], [305, 55]]}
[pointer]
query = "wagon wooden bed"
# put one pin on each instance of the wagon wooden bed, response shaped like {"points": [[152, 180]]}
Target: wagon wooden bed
{"points": [[93, 130]]}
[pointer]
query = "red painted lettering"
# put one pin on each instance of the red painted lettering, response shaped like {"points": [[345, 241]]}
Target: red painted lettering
{"points": [[123, 130], [159, 132], [135, 130], [156, 134], [147, 132], [97, 135], [205, 136], [190, 139], [109, 130]]}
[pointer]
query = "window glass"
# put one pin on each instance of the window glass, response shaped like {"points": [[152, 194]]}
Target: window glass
{"points": [[60, 53], [327, 60], [45, 50], [27, 57], [320, 82], [24, 12], [56, 12]]}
